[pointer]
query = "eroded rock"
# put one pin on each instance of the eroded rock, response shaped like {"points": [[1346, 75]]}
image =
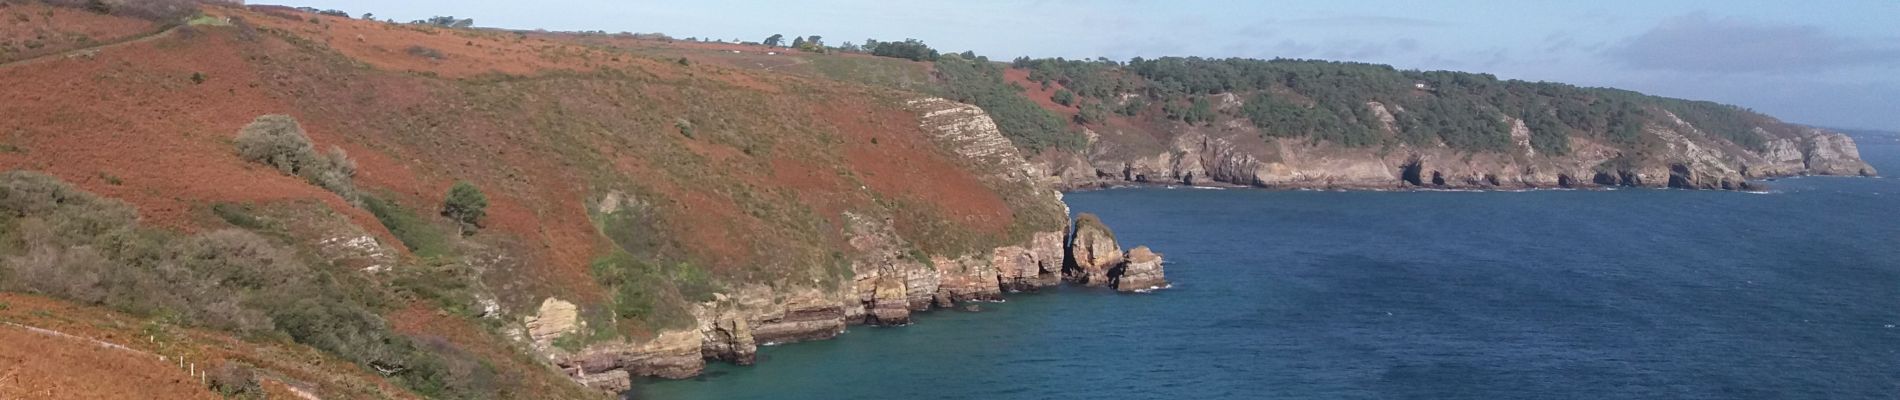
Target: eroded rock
{"points": [[1092, 252], [556, 318], [1140, 272]]}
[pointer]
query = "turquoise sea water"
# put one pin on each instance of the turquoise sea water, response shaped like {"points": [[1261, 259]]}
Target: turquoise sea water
{"points": [[1549, 294]]}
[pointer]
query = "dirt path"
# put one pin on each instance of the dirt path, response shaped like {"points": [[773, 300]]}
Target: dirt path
{"points": [[39, 363], [96, 342], [94, 50]]}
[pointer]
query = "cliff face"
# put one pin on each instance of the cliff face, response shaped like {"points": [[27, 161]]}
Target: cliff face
{"points": [[1675, 154], [887, 281], [1321, 124]]}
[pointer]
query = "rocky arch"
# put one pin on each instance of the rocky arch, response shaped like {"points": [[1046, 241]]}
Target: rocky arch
{"points": [[1606, 179], [1492, 179], [1565, 181], [1438, 179], [1412, 172], [1680, 177]]}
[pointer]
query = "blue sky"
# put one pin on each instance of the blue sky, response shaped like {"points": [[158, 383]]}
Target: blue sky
{"points": [[1826, 62]]}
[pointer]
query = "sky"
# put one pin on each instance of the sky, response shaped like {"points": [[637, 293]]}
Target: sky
{"points": [[1823, 62]]}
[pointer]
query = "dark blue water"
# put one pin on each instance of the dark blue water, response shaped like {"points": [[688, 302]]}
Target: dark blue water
{"points": [[1553, 294]]}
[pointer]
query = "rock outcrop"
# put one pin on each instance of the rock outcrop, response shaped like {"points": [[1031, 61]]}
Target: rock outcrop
{"points": [[555, 319], [1095, 259], [1831, 153], [1140, 272]]}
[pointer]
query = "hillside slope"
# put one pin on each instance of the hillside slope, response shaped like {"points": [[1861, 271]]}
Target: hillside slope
{"points": [[642, 214]]}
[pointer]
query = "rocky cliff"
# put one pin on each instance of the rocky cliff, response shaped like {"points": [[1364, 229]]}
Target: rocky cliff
{"points": [[1682, 156]]}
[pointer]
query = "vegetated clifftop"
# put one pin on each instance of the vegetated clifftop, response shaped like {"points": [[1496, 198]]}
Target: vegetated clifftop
{"points": [[633, 212], [1316, 124]]}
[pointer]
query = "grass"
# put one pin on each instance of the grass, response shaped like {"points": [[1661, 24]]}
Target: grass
{"points": [[599, 326], [422, 236], [875, 71], [1087, 220], [238, 215], [207, 20], [647, 292]]}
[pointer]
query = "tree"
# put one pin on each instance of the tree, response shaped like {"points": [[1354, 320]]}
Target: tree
{"points": [[798, 42], [774, 40], [816, 41], [466, 205], [1064, 97], [912, 49], [448, 22]]}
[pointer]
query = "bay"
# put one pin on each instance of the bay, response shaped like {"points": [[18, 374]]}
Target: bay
{"points": [[1793, 293]]}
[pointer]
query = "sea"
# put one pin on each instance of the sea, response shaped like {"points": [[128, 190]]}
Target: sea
{"points": [[1790, 293]]}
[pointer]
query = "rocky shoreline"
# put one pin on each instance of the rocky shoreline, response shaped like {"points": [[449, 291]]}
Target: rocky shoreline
{"points": [[734, 326], [1683, 156]]}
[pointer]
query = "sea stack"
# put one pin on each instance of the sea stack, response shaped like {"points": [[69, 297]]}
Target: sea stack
{"points": [[1140, 271], [1096, 259], [1092, 252]]}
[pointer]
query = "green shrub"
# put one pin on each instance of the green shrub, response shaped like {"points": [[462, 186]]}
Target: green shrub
{"points": [[279, 141], [466, 205], [643, 291], [235, 379], [65, 243], [1024, 122], [685, 127]]}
